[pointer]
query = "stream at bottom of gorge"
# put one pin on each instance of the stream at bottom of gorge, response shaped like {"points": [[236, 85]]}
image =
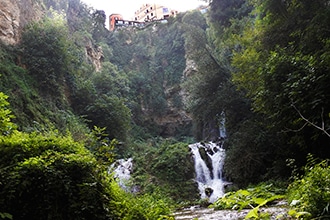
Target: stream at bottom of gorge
{"points": [[277, 212]]}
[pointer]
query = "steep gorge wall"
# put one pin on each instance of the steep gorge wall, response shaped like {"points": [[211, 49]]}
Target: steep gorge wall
{"points": [[14, 15]]}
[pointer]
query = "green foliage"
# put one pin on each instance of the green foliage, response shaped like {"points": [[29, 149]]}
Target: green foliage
{"points": [[101, 146], [79, 18], [50, 176], [53, 177], [6, 126], [17, 85], [271, 50], [99, 30], [165, 167], [225, 11], [154, 61], [5, 216], [206, 82], [173, 163], [57, 5], [255, 154], [255, 214], [147, 206], [112, 113], [278, 72], [45, 45], [309, 194], [111, 81], [258, 196], [40, 93], [101, 98]]}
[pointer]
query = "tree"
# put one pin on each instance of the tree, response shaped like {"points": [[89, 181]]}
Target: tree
{"points": [[235, 44], [111, 112], [207, 82], [283, 65], [99, 30], [45, 45]]}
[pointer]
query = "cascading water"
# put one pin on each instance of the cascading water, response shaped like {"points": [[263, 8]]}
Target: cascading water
{"points": [[209, 159], [122, 171]]}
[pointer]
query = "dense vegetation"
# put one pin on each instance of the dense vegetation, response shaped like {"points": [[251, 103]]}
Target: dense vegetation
{"points": [[281, 72], [277, 99], [263, 66], [52, 176]]}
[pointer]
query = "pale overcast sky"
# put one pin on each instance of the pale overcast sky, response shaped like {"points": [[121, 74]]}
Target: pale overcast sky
{"points": [[128, 7]]}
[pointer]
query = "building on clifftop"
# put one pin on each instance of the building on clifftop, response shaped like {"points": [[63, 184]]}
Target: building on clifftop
{"points": [[152, 12], [147, 13], [113, 18]]}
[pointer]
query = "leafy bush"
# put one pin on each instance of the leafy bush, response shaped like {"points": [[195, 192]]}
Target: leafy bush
{"points": [[166, 168], [310, 194], [5, 115], [147, 206], [50, 177], [112, 113], [249, 198]]}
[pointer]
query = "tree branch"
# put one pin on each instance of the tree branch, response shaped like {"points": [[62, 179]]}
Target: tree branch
{"points": [[322, 128], [296, 130]]}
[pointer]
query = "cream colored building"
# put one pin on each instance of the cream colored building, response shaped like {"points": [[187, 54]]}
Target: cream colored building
{"points": [[152, 12]]}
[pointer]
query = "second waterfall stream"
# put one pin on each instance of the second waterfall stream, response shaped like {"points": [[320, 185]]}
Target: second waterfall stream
{"points": [[209, 160]]}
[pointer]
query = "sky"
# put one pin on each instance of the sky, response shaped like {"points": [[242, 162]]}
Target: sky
{"points": [[127, 7]]}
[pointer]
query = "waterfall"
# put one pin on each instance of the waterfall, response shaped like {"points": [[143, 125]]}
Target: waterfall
{"points": [[208, 168], [122, 171]]}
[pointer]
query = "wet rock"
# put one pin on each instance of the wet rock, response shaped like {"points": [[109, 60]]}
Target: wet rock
{"points": [[208, 191]]}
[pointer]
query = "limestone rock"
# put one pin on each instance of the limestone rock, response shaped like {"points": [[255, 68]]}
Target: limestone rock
{"points": [[14, 15], [95, 55]]}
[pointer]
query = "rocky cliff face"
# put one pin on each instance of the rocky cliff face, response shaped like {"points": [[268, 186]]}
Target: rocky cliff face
{"points": [[176, 118], [14, 15], [95, 55]]}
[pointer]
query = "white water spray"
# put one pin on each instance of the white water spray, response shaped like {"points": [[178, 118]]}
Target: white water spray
{"points": [[209, 169], [122, 171]]}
